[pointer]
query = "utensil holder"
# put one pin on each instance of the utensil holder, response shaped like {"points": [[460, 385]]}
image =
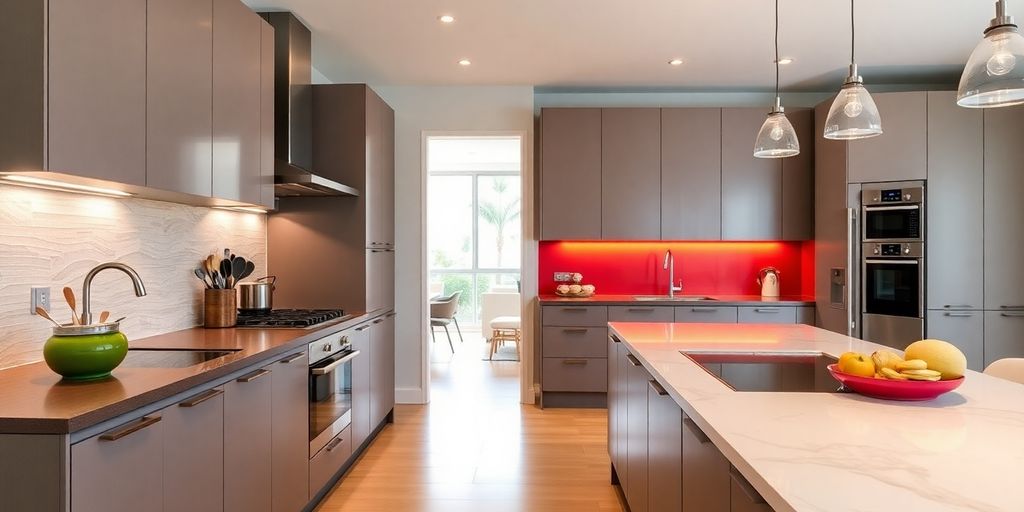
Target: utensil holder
{"points": [[220, 308]]}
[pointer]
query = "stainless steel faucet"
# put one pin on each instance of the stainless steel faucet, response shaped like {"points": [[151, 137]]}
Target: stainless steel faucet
{"points": [[670, 264], [140, 289]]}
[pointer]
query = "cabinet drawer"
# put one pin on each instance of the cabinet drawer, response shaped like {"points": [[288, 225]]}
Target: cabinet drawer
{"points": [[640, 314], [575, 342], [571, 316], [329, 460], [767, 315], [706, 314], [575, 374]]}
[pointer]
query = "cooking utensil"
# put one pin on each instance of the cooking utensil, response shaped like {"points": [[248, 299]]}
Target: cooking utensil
{"points": [[69, 295], [104, 315], [227, 253], [237, 268], [201, 274], [257, 296], [250, 267], [119, 320], [211, 265], [42, 312]]}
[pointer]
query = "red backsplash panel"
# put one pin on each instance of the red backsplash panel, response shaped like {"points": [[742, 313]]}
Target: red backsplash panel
{"points": [[726, 268]]}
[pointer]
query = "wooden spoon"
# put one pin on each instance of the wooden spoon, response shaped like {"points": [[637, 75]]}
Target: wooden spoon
{"points": [[104, 316], [69, 295], [42, 312]]}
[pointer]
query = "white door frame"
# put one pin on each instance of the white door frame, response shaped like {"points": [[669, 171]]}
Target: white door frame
{"points": [[528, 257]]}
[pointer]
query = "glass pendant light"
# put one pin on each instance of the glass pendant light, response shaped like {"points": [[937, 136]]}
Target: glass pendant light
{"points": [[777, 138], [994, 75], [853, 114]]}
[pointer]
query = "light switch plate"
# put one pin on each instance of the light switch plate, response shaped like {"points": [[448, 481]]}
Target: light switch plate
{"points": [[40, 298], [563, 277]]}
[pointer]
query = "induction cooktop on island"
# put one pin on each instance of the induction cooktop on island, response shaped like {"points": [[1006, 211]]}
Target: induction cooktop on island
{"points": [[290, 318]]}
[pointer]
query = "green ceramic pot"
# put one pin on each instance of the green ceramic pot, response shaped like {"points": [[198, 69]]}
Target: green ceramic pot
{"points": [[86, 356]]}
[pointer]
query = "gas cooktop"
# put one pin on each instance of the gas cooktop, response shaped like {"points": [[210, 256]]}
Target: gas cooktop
{"points": [[289, 318]]}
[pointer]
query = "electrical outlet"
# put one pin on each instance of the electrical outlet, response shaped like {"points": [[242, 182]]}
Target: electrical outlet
{"points": [[563, 277], [40, 298]]}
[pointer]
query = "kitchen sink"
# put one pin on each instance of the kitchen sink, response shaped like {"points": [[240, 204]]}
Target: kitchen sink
{"points": [[171, 358], [794, 372], [677, 298]]}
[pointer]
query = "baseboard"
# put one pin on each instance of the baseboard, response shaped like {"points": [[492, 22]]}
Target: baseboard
{"points": [[410, 396]]}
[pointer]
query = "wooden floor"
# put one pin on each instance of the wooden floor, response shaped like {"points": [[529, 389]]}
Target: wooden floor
{"points": [[475, 448]]}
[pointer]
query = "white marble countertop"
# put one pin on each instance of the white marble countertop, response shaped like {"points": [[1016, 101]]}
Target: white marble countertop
{"points": [[843, 452]]}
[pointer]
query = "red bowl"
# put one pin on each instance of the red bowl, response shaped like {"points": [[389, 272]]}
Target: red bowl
{"points": [[907, 390]]}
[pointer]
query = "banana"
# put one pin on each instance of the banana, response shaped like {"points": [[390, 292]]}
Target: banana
{"points": [[891, 374], [912, 376], [913, 364], [922, 373], [886, 359]]}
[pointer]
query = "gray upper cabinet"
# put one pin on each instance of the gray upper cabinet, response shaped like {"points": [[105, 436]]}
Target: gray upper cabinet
{"points": [[119, 470], [691, 174], [956, 197], [266, 114], [193, 468], [901, 152], [290, 430], [798, 180], [96, 107], [630, 174], [179, 92], [570, 177], [387, 170], [751, 187], [1004, 181], [247, 442], [374, 180], [236, 148]]}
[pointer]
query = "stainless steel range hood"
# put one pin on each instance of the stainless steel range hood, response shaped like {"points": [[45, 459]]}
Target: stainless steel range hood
{"points": [[293, 113]]}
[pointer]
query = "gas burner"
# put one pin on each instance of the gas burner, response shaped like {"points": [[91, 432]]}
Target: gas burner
{"points": [[288, 318]]}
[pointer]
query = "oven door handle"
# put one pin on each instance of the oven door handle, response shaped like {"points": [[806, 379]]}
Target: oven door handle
{"points": [[892, 208], [331, 367], [894, 262]]}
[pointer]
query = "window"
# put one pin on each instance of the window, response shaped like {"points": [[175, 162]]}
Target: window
{"points": [[474, 218]]}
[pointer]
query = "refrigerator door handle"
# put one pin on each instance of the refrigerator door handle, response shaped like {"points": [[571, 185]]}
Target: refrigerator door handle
{"points": [[851, 285]]}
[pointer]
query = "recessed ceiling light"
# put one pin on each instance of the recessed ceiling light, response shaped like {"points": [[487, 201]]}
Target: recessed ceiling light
{"points": [[464, 62], [676, 62], [446, 18], [785, 60]]}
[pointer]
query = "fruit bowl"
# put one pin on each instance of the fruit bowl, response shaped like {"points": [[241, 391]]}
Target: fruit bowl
{"points": [[905, 390]]}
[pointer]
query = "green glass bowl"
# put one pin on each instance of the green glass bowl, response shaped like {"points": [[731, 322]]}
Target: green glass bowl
{"points": [[85, 357]]}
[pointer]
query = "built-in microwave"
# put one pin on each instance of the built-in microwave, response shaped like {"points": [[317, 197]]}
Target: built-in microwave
{"points": [[893, 214]]}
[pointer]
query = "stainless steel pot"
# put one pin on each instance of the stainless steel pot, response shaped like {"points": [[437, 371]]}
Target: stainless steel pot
{"points": [[258, 295]]}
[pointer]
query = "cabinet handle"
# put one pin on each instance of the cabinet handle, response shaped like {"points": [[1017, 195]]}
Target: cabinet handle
{"points": [[575, 331], [331, 367], [615, 339], [958, 306], [114, 435], [633, 360], [334, 444], [1011, 307], [292, 358], [574, 310], [657, 387], [580, 362], [1012, 315], [767, 310], [640, 310], [194, 401], [253, 376], [362, 328], [703, 310], [390, 315], [378, 321], [745, 486], [697, 432], [958, 315]]}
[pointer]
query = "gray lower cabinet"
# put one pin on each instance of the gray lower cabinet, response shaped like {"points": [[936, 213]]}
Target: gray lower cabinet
{"points": [[325, 463], [382, 368], [707, 486], [193, 462], [902, 152], [751, 187], [630, 174], [615, 403], [575, 341], [691, 174], [120, 469], [767, 315], [965, 329], [664, 451], [575, 374], [743, 496], [640, 314], [1004, 181], [570, 155], [1003, 335], [361, 392], [290, 430], [573, 316], [248, 432], [707, 314], [636, 435]]}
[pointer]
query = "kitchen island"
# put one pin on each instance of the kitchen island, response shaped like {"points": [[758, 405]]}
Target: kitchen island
{"points": [[823, 451]]}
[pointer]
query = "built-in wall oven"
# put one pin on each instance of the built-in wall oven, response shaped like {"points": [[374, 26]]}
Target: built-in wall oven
{"points": [[893, 292], [330, 390], [893, 214]]}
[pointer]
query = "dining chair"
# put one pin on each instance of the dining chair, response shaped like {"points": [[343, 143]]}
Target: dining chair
{"points": [[442, 313], [1011, 368]]}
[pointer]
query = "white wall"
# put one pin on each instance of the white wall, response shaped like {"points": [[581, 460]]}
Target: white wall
{"points": [[422, 109]]}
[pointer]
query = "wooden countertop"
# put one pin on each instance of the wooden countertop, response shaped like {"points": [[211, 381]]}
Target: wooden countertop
{"points": [[34, 400], [720, 300]]}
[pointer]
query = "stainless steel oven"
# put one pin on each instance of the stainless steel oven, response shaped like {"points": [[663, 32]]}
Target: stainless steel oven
{"points": [[330, 389], [893, 214], [893, 295]]}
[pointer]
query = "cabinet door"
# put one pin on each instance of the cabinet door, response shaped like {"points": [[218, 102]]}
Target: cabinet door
{"points": [[1002, 335], [236, 102], [640, 314], [706, 314], [630, 174], [751, 187], [691, 174], [374, 289], [290, 429], [387, 170], [901, 152], [614, 402], [194, 453], [374, 190], [266, 114], [622, 412], [247, 442], [636, 435], [744, 498], [387, 279], [570, 174], [120, 469], [965, 329], [575, 341], [1004, 240], [664, 451], [361, 387], [382, 368], [96, 103], [706, 482], [798, 180], [179, 92], [956, 160], [767, 315]]}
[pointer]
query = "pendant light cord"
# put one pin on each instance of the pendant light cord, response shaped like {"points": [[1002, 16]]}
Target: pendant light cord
{"points": [[853, 35], [777, 48]]}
